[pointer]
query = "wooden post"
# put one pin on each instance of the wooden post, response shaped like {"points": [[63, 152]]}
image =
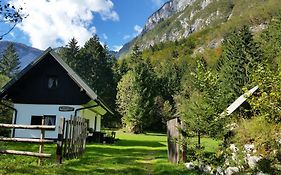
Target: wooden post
{"points": [[71, 137], [80, 136], [60, 140], [85, 135], [42, 136], [65, 147], [173, 136], [75, 137]]}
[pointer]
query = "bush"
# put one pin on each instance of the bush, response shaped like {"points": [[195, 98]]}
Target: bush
{"points": [[258, 131]]}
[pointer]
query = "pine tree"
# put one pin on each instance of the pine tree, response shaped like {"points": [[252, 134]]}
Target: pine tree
{"points": [[239, 59], [95, 66], [70, 53], [10, 62], [135, 57]]}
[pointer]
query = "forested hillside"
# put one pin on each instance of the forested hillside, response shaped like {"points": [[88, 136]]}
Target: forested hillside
{"points": [[207, 21]]}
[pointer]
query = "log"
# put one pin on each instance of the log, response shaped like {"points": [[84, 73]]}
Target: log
{"points": [[38, 127], [25, 153], [25, 140]]}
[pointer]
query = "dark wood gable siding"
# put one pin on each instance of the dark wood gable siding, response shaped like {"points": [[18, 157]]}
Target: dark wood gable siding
{"points": [[32, 88]]}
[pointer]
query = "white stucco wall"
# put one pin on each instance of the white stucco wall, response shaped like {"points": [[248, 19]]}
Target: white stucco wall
{"points": [[91, 116], [98, 126], [25, 111]]}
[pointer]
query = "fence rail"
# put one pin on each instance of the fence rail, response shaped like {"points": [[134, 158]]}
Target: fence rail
{"points": [[25, 153], [26, 140], [71, 140], [41, 141], [36, 127]]}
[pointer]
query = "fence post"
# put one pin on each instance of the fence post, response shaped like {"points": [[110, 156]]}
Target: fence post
{"points": [[42, 136], [66, 140], [75, 138], [60, 140], [71, 137], [173, 136]]}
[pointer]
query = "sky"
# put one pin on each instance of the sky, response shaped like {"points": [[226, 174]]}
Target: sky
{"points": [[52, 23]]}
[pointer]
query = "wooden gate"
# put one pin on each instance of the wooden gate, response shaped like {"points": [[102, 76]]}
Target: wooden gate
{"points": [[75, 137]]}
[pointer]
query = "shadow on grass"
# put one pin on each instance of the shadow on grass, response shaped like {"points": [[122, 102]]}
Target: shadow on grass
{"points": [[155, 134], [129, 157], [138, 143], [108, 160]]}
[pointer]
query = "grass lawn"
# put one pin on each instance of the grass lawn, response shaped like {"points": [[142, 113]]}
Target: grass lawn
{"points": [[141, 154]]}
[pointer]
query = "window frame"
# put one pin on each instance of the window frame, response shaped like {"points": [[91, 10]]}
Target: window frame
{"points": [[33, 121], [55, 82]]}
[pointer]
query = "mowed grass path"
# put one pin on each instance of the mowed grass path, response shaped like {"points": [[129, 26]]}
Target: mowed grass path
{"points": [[143, 154]]}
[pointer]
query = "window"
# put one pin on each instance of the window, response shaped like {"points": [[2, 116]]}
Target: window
{"points": [[49, 120], [36, 120], [52, 82]]}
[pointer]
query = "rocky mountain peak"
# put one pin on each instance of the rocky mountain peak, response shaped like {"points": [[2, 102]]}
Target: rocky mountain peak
{"points": [[168, 9]]}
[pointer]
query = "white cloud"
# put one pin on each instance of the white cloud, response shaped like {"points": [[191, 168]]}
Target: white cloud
{"points": [[116, 48], [104, 36], [158, 3], [55, 22], [138, 29], [126, 37], [12, 34]]}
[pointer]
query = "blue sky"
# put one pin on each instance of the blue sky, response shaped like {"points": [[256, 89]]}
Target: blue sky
{"points": [[53, 23]]}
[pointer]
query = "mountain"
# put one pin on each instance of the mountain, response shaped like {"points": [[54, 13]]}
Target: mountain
{"points": [[26, 53], [180, 19], [167, 10]]}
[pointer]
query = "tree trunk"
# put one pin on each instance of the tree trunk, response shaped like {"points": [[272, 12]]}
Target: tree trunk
{"points": [[199, 140], [184, 153]]}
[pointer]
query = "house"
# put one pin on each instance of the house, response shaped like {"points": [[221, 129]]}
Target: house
{"points": [[49, 88]]}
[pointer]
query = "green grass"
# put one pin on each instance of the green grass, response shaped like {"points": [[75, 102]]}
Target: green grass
{"points": [[132, 154]]}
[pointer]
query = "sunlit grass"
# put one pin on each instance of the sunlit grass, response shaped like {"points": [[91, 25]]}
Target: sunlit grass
{"points": [[131, 154]]}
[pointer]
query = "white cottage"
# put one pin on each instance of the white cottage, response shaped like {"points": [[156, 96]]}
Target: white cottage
{"points": [[49, 88]]}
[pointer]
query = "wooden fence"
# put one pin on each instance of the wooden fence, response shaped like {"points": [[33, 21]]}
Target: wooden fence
{"points": [[41, 141], [71, 140]]}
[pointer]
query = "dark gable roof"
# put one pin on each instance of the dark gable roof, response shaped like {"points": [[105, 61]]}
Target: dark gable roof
{"points": [[70, 72]]}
